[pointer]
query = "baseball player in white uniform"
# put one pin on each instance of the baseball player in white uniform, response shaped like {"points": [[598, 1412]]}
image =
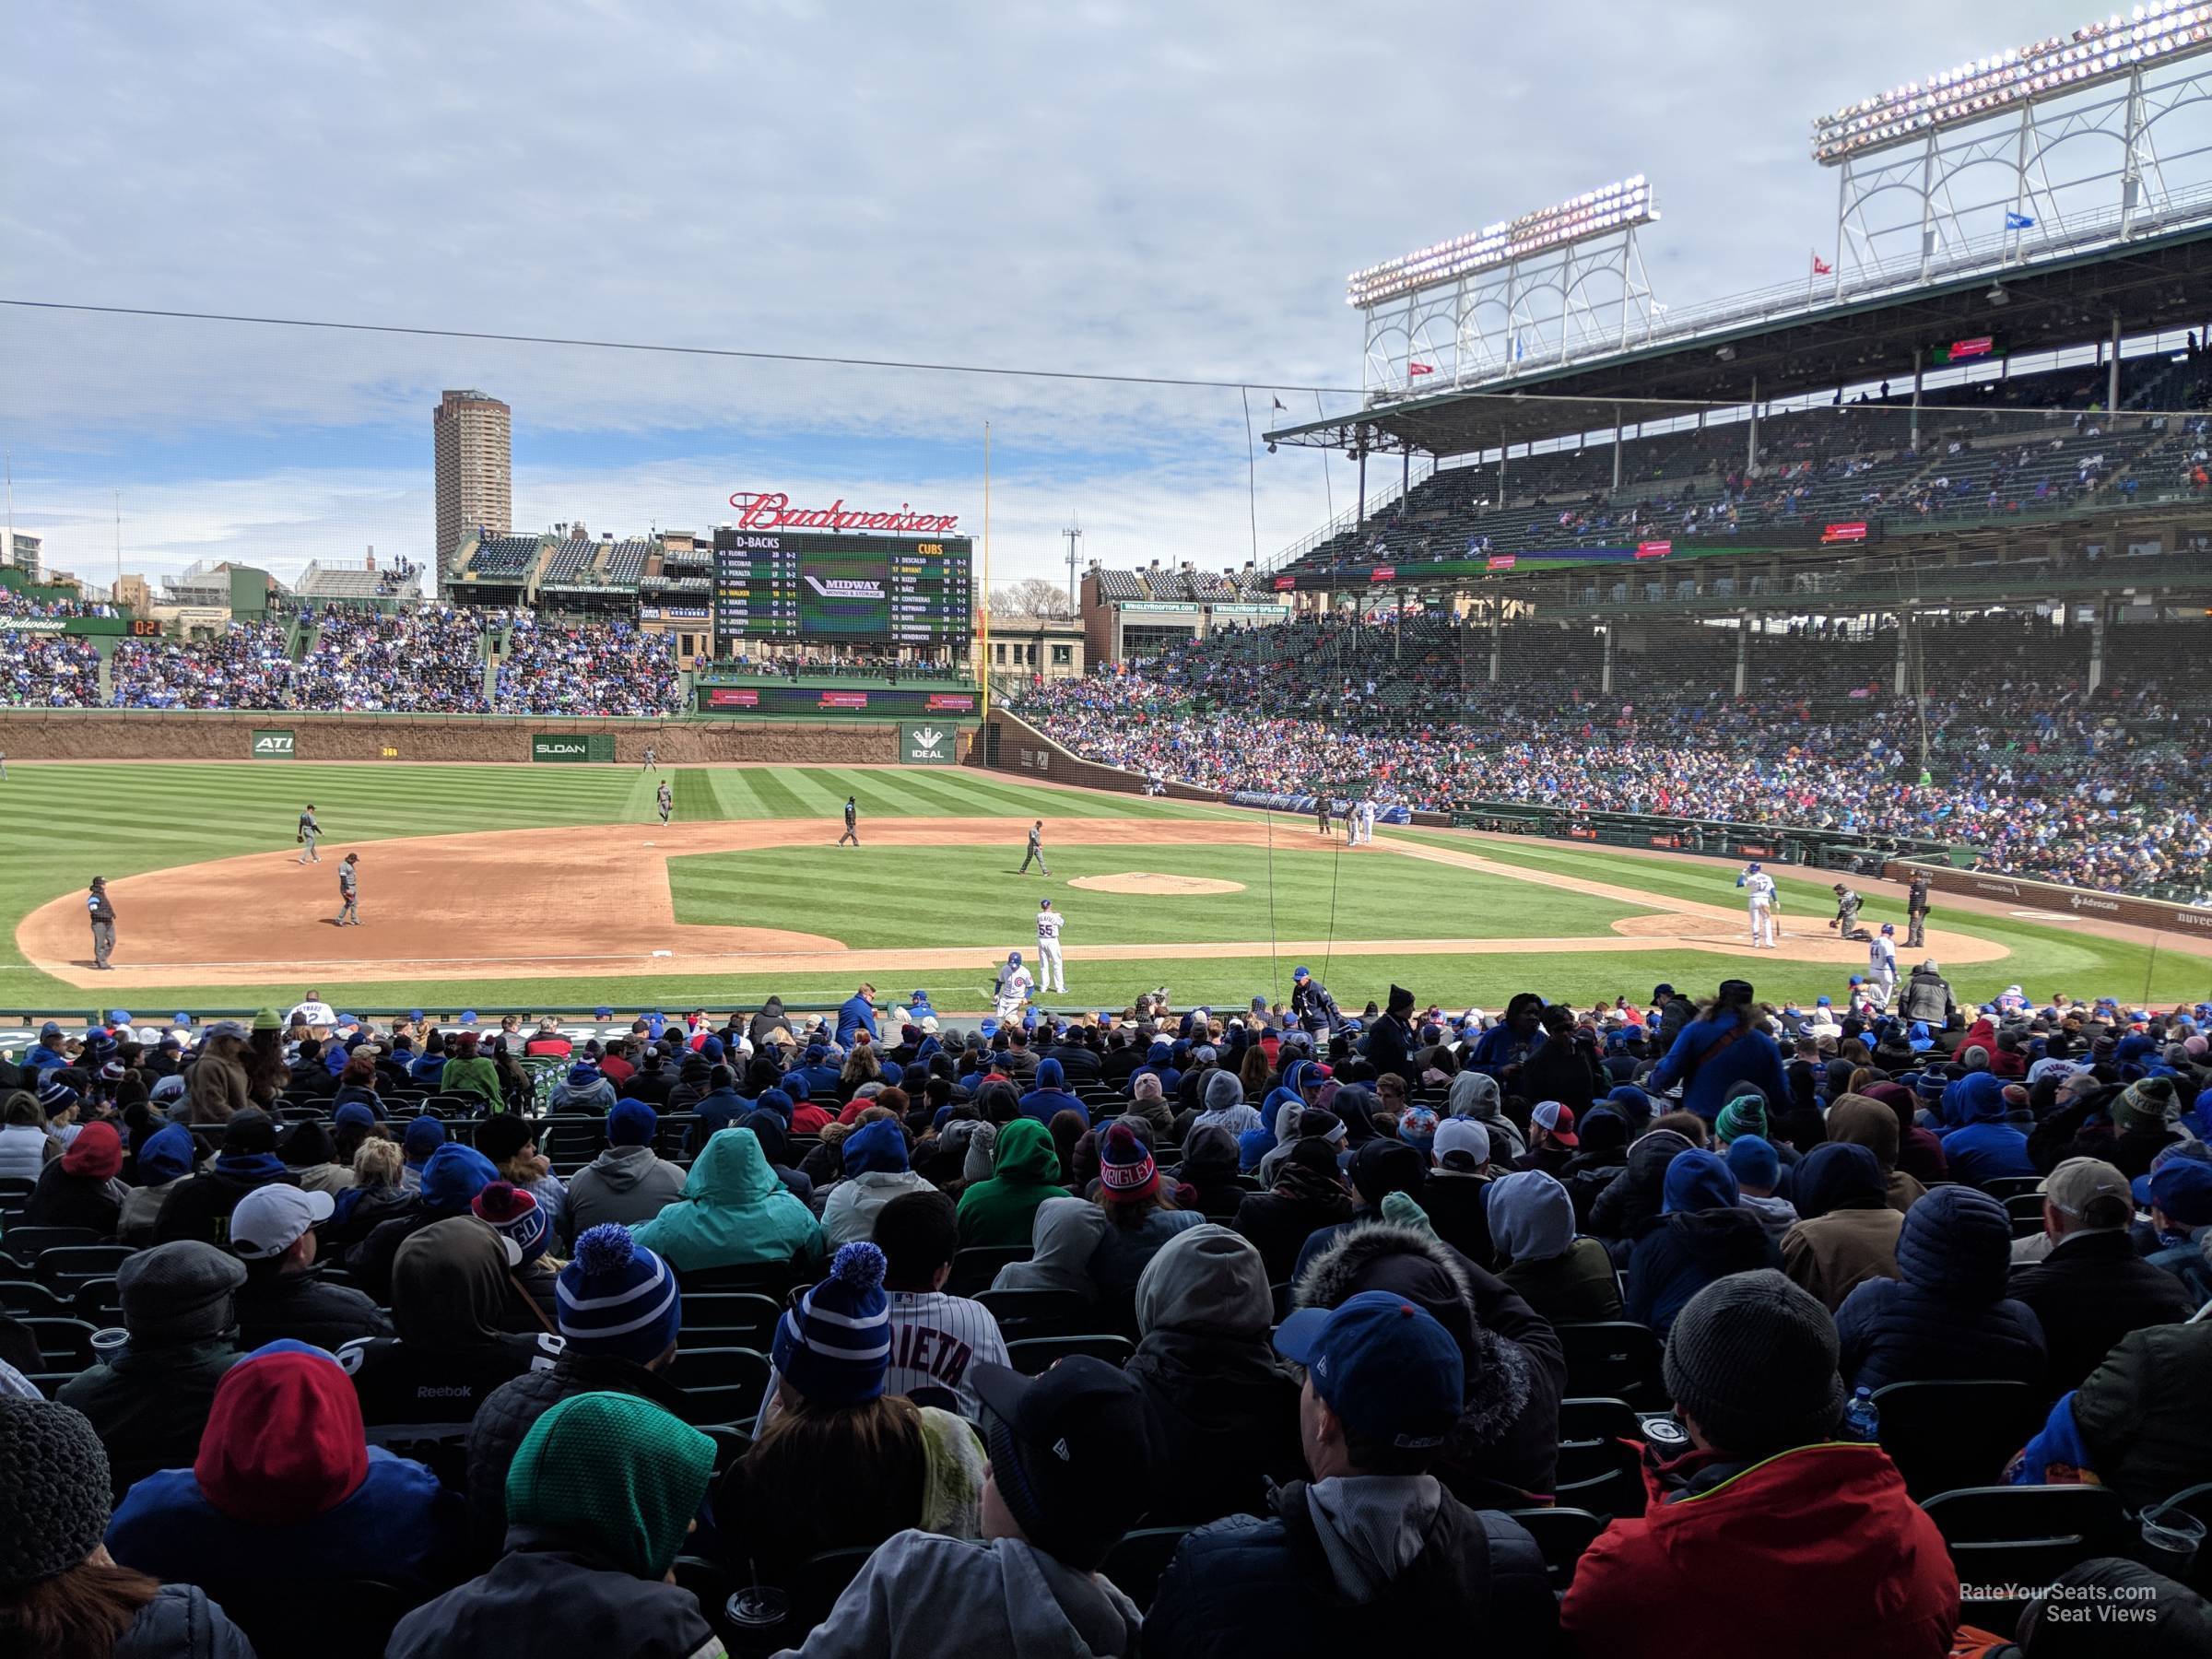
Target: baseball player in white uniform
{"points": [[1758, 893], [1014, 988], [1881, 966], [1366, 823], [1049, 922]]}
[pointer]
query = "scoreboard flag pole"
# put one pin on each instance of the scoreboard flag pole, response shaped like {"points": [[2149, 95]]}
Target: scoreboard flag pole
{"points": [[982, 615]]}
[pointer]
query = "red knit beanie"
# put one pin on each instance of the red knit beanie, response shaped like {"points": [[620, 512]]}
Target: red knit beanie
{"points": [[1125, 1166]]}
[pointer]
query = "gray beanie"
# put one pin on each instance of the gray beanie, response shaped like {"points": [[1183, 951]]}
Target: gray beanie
{"points": [[179, 1293], [1752, 1358], [53, 1485], [982, 1142]]}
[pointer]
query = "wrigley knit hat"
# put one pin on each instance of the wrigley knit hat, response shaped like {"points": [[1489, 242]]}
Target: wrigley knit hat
{"points": [[618, 1298], [53, 1487], [178, 1293], [1072, 1454], [834, 1344], [514, 1213], [614, 1472], [1752, 1359], [1125, 1168]]}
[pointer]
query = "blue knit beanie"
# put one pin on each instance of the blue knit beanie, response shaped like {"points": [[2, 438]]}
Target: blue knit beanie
{"points": [[454, 1175], [1753, 1161], [834, 1347], [777, 1101], [618, 1298], [167, 1152], [879, 1146], [424, 1136], [631, 1123]]}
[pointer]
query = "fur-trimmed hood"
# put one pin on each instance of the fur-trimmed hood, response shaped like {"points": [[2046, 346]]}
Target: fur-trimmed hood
{"points": [[1405, 1261]]}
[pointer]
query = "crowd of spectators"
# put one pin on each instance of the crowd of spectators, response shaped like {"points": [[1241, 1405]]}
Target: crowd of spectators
{"points": [[599, 668], [2022, 763], [429, 660], [44, 670], [14, 602], [248, 666], [1160, 1332]]}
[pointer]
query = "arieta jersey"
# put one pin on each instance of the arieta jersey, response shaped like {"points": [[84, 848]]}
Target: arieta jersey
{"points": [[1048, 926]]}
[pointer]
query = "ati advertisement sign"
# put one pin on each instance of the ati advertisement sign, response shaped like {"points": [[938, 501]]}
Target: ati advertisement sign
{"points": [[572, 748], [927, 744], [272, 746]]}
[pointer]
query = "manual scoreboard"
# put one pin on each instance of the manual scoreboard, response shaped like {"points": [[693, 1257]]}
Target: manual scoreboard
{"points": [[889, 589]]}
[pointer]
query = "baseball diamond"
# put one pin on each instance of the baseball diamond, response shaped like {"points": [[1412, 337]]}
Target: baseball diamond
{"points": [[495, 883]]}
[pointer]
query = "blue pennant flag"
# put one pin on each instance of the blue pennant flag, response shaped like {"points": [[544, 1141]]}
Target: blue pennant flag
{"points": [[2018, 221]]}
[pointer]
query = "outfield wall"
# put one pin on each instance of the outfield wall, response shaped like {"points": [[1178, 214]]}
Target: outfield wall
{"points": [[150, 734], [1028, 752], [2051, 896]]}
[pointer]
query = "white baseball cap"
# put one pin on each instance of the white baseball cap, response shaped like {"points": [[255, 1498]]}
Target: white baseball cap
{"points": [[269, 1219], [1462, 1134]]}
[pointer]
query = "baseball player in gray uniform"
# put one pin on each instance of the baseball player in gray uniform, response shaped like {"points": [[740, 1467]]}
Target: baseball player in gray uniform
{"points": [[102, 915], [309, 833], [667, 799], [1036, 851], [349, 892]]}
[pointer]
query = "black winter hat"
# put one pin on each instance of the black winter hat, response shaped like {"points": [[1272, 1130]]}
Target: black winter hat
{"points": [[53, 1487], [1752, 1358]]}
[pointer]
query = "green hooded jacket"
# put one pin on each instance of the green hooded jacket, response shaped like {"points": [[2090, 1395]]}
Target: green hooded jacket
{"points": [[1025, 1171], [735, 1212]]}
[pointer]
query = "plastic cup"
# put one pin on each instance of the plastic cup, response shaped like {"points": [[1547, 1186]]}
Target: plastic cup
{"points": [[2171, 1539], [757, 1607], [111, 1344]]}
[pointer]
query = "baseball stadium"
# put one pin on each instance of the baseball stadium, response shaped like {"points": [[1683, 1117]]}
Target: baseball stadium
{"points": [[1562, 993]]}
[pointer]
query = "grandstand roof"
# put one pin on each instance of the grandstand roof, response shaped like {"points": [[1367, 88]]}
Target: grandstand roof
{"points": [[2152, 284]]}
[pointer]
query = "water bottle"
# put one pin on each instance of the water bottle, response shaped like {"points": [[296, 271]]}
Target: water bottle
{"points": [[1862, 1421]]}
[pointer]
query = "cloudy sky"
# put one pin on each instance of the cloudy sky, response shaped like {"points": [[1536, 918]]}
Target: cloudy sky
{"points": [[1120, 190]]}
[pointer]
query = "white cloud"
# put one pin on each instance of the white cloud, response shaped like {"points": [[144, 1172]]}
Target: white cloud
{"points": [[1107, 187]]}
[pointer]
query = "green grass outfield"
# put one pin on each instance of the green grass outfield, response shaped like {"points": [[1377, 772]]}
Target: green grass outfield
{"points": [[888, 896], [60, 824]]}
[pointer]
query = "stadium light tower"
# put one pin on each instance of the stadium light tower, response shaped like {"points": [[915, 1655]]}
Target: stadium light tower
{"points": [[2044, 149], [1563, 282], [1074, 535]]}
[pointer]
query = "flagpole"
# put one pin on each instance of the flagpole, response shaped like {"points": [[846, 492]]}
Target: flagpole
{"points": [[982, 616]]}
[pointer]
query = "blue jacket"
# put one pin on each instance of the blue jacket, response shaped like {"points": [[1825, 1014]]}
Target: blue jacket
{"points": [[1502, 1046], [1981, 1152], [1246, 1586], [1050, 1095], [1716, 1075], [1686, 1253], [399, 1524], [855, 1013], [1946, 1316]]}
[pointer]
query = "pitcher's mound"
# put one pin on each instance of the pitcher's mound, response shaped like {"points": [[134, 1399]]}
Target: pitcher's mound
{"points": [[1148, 881]]}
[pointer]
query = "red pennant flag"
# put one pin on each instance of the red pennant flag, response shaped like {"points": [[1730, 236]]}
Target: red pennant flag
{"points": [[1822, 268], [1420, 368]]}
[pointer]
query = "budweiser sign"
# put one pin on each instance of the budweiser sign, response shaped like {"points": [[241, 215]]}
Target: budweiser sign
{"points": [[772, 510]]}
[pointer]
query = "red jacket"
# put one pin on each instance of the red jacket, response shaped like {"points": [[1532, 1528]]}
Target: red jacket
{"points": [[1815, 1552]]}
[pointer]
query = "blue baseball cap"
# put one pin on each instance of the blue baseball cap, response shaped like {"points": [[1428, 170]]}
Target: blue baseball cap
{"points": [[468, 1017], [1383, 1366], [414, 1014], [2181, 1185], [1299, 973], [117, 1016]]}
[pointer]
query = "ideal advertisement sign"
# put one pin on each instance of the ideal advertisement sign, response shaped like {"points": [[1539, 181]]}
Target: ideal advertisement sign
{"points": [[927, 744]]}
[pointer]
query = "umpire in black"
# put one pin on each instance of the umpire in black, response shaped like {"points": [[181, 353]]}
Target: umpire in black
{"points": [[104, 922]]}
